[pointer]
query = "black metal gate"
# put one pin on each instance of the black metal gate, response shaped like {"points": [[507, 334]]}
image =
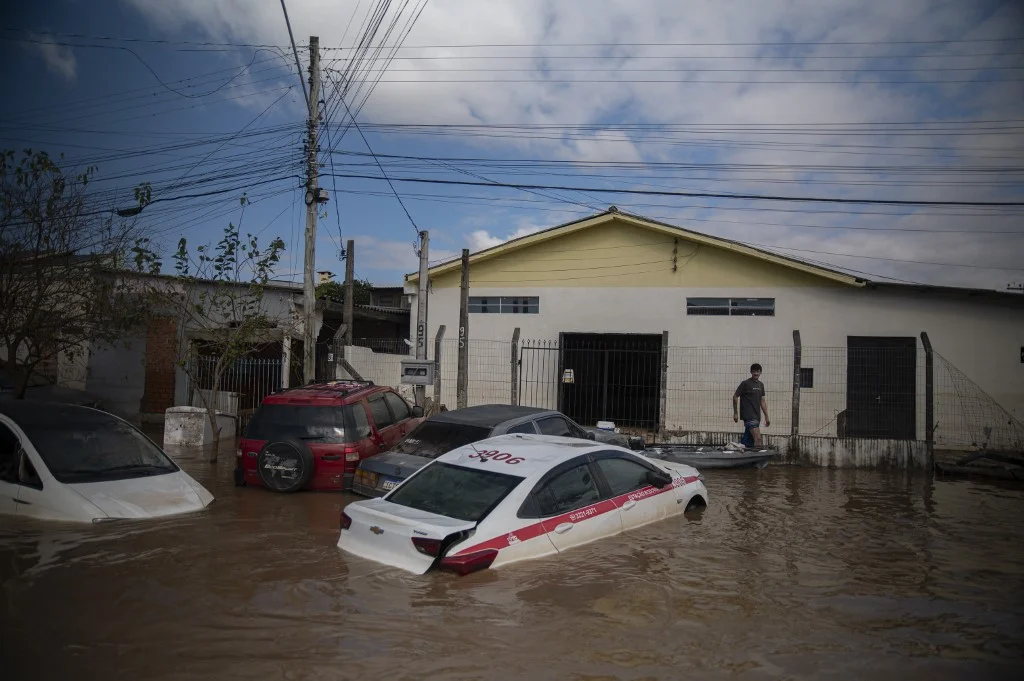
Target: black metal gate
{"points": [[538, 374], [881, 383]]}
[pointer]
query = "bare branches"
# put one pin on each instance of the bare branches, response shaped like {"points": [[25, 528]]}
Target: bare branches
{"points": [[59, 290]]}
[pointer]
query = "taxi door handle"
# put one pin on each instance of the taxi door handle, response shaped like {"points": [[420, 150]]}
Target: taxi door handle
{"points": [[630, 503], [563, 528], [331, 457]]}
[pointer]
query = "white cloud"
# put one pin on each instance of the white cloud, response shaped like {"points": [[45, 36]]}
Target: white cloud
{"points": [[59, 59], [721, 149]]}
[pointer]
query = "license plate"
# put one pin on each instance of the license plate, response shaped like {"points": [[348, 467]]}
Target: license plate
{"points": [[389, 485]]}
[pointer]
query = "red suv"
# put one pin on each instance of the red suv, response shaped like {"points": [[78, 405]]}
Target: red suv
{"points": [[314, 437]]}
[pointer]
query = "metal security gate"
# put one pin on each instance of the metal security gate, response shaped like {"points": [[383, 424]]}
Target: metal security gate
{"points": [[881, 387], [539, 375], [612, 377]]}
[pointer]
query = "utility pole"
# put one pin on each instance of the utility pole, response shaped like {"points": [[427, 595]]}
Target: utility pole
{"points": [[462, 386], [312, 208], [350, 290], [421, 310]]}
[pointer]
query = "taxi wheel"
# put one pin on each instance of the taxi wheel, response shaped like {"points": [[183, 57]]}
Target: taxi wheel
{"points": [[285, 465]]}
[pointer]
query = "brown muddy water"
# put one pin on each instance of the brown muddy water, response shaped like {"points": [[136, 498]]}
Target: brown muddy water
{"points": [[790, 574]]}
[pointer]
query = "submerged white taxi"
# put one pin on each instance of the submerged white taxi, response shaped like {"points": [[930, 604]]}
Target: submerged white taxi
{"points": [[78, 464], [513, 498]]}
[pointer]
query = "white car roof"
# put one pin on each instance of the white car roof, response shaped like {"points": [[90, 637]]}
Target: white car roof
{"points": [[529, 454]]}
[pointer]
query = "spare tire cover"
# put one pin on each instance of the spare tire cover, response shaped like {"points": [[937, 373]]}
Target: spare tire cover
{"points": [[285, 465]]}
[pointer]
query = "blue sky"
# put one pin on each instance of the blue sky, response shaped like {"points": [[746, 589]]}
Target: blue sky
{"points": [[914, 100]]}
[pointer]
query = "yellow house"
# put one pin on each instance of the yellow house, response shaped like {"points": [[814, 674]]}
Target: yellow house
{"points": [[633, 307]]}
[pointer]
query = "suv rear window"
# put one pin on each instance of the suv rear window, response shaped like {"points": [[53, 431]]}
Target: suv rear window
{"points": [[454, 491], [330, 425], [431, 439]]}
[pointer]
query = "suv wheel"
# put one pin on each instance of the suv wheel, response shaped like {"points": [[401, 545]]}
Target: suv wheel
{"points": [[285, 465]]}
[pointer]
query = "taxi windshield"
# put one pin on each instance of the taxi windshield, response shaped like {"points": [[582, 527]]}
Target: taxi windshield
{"points": [[454, 491]]}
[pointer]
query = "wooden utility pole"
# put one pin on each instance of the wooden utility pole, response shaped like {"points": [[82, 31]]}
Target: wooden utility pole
{"points": [[313, 201], [462, 387], [421, 310], [350, 289]]}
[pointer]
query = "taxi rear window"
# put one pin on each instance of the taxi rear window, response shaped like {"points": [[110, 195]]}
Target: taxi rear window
{"points": [[454, 491]]}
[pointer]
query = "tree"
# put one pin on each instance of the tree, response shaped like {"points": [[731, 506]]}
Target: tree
{"points": [[59, 259], [218, 297], [334, 290]]}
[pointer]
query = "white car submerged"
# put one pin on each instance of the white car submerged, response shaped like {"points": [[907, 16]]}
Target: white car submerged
{"points": [[515, 497], [73, 463]]}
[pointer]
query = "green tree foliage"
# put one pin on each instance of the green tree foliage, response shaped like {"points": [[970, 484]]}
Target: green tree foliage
{"points": [[335, 290], [218, 296]]}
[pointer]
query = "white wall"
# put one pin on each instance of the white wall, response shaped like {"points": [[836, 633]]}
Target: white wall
{"points": [[980, 335]]}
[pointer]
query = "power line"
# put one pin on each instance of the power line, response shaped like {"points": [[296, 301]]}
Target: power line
{"points": [[712, 195], [296, 53], [712, 44]]}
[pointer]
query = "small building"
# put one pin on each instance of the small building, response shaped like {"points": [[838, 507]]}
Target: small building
{"points": [[651, 325]]}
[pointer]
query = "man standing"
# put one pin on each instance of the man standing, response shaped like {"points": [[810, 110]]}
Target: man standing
{"points": [[748, 402]]}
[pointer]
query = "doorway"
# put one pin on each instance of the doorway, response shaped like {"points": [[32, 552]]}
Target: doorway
{"points": [[611, 377], [881, 387]]}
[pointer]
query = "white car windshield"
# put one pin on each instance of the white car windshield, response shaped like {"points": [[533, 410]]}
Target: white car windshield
{"points": [[454, 491], [80, 445]]}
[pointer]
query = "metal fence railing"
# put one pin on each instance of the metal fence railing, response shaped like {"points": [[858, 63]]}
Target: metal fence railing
{"points": [[869, 389], [243, 384]]}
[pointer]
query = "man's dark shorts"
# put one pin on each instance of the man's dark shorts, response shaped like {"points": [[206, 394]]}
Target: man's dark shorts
{"points": [[748, 438]]}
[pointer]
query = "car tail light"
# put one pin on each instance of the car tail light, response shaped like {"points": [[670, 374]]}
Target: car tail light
{"points": [[351, 456], [238, 453], [428, 547], [346, 522], [469, 562]]}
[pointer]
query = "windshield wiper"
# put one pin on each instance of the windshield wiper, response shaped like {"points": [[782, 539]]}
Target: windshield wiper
{"points": [[101, 472]]}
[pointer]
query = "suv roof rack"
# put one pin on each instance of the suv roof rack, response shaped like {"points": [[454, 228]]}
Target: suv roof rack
{"points": [[341, 385]]}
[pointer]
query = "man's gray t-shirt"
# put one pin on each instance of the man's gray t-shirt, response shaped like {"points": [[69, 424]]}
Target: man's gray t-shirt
{"points": [[750, 393]]}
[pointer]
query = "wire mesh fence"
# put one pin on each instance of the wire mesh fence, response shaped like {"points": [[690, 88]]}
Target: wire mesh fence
{"points": [[872, 388], [243, 385]]}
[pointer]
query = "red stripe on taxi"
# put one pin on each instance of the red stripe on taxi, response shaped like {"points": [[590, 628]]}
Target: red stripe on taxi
{"points": [[535, 530]]}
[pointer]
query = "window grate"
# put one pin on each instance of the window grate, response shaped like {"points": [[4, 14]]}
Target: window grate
{"points": [[504, 304], [731, 307]]}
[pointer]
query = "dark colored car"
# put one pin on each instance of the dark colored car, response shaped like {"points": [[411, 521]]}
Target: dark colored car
{"points": [[449, 430], [314, 437]]}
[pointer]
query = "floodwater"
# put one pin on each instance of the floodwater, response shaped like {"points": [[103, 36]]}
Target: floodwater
{"points": [[790, 574]]}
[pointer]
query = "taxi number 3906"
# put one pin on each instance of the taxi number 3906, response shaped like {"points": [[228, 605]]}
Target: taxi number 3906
{"points": [[495, 455]]}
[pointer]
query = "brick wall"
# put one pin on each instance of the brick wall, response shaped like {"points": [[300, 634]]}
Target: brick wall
{"points": [[161, 354]]}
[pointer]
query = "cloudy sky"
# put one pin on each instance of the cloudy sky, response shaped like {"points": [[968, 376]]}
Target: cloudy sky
{"points": [[916, 100]]}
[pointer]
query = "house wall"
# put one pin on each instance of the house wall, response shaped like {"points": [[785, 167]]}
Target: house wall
{"points": [[618, 278], [117, 375]]}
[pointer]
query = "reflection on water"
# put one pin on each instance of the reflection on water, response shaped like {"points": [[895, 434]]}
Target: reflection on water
{"points": [[790, 573]]}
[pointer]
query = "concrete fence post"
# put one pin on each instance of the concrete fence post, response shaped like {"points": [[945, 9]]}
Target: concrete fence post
{"points": [[437, 366], [514, 391], [929, 396], [794, 428], [663, 393]]}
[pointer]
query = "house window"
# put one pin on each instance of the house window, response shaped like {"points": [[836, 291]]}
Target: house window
{"points": [[731, 307], [806, 378], [504, 304]]}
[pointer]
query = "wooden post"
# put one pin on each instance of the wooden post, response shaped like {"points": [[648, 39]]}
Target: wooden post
{"points": [[350, 290], [663, 395], [794, 428], [514, 397], [462, 388], [929, 395], [437, 367]]}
